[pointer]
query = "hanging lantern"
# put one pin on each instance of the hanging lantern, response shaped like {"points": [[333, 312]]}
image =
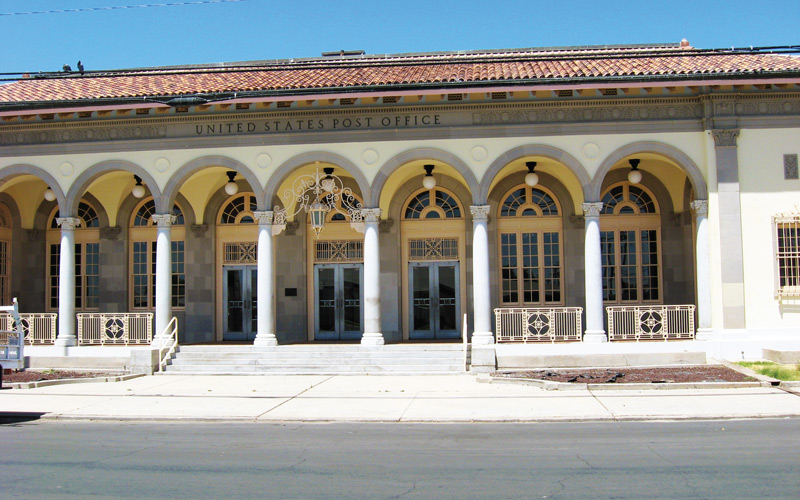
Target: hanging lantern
{"points": [[138, 189], [317, 211], [429, 181], [231, 187], [531, 178], [634, 176]]}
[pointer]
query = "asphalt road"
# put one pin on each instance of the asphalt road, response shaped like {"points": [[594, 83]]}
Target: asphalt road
{"points": [[751, 459]]}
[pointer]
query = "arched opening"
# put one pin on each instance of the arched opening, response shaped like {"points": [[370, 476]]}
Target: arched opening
{"points": [[433, 240]]}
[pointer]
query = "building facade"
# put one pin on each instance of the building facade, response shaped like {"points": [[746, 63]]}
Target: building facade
{"points": [[453, 184]]}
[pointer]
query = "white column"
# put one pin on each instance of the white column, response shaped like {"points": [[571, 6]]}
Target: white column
{"points": [[593, 274], [163, 272], [265, 331], [702, 273], [482, 306], [66, 283], [372, 279]]}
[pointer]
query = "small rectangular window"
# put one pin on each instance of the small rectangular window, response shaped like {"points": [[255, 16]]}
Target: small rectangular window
{"points": [[787, 256]]}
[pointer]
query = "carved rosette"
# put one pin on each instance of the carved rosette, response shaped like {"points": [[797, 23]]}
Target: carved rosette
{"points": [[725, 137], [164, 220], [700, 208], [479, 212], [68, 223], [592, 209]]}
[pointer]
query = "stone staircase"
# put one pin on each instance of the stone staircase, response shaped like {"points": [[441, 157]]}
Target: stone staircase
{"points": [[318, 359]]}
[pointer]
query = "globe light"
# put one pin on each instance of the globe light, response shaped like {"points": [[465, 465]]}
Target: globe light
{"points": [[429, 181], [49, 194], [634, 176], [138, 189], [231, 187], [531, 178]]}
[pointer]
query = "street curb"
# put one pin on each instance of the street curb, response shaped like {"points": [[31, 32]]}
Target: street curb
{"points": [[565, 386], [67, 381]]}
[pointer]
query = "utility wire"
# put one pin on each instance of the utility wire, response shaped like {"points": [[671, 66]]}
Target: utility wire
{"points": [[116, 7]]}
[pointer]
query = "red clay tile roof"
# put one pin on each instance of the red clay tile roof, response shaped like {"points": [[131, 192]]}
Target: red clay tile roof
{"points": [[388, 73]]}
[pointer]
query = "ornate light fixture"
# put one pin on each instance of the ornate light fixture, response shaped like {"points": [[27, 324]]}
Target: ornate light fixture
{"points": [[230, 187], [49, 194], [318, 194], [531, 178], [138, 189], [429, 181], [634, 176]]}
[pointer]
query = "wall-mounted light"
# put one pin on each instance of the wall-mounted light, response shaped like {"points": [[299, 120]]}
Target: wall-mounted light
{"points": [[138, 189], [531, 178], [429, 181], [634, 176], [231, 187], [49, 194]]}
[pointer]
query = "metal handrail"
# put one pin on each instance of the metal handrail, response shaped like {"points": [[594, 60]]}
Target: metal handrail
{"points": [[464, 340], [115, 328], [651, 322], [538, 324], [39, 328], [167, 340]]}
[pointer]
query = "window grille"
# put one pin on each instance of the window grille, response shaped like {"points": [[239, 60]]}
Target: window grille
{"points": [[339, 251], [787, 256], [241, 253], [421, 249]]}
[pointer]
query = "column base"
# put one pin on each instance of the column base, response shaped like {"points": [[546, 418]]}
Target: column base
{"points": [[65, 342], [268, 340], [372, 339], [594, 337], [482, 358], [704, 334], [482, 338]]}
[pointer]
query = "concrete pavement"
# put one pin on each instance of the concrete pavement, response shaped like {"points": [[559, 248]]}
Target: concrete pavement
{"points": [[365, 398]]}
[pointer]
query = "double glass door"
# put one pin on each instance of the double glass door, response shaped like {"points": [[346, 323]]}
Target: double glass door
{"points": [[338, 297], [239, 288], [434, 305]]}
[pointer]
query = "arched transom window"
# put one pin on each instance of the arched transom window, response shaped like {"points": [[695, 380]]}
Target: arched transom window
{"points": [[239, 210], [530, 247], [85, 212], [630, 230], [432, 204], [142, 264]]}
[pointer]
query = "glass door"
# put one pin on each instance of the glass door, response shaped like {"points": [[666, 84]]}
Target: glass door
{"points": [[339, 294], [240, 294], [434, 302]]}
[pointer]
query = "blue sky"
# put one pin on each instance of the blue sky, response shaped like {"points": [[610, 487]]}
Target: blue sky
{"points": [[227, 31]]}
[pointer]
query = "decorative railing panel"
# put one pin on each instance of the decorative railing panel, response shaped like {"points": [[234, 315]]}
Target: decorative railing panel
{"points": [[651, 322], [545, 324], [39, 328], [115, 328]]}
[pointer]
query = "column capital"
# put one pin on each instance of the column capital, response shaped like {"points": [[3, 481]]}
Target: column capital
{"points": [[479, 212], [164, 220], [371, 214], [592, 209], [264, 218], [725, 137], [69, 223], [700, 207]]}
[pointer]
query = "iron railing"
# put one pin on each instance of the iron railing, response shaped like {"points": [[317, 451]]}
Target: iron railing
{"points": [[39, 328], [167, 344], [115, 328], [538, 324], [12, 345], [654, 322]]}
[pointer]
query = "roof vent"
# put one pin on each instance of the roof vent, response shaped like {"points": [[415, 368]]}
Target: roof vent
{"points": [[343, 53]]}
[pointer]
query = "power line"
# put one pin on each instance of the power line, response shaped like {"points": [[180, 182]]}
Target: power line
{"points": [[116, 7]]}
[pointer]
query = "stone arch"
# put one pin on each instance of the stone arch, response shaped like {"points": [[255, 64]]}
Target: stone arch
{"points": [[401, 159], [306, 158], [678, 157], [21, 169], [78, 188], [575, 167], [164, 204]]}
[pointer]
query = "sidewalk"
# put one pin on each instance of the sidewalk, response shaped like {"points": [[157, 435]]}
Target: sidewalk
{"points": [[443, 398]]}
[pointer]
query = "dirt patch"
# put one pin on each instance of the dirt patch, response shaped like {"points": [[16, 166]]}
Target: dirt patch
{"points": [[656, 375], [36, 376]]}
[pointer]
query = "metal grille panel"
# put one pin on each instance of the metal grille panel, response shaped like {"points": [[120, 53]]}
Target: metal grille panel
{"points": [[339, 251], [424, 249], [241, 253]]}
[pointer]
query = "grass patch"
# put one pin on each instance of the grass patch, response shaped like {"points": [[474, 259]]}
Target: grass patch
{"points": [[774, 370]]}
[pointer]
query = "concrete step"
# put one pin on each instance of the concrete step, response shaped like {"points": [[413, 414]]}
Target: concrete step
{"points": [[308, 369]]}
